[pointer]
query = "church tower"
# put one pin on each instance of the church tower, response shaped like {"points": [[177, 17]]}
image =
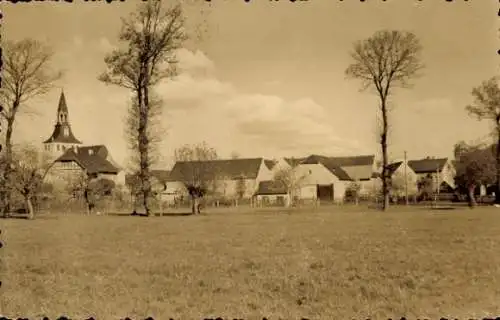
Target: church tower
{"points": [[62, 138]]}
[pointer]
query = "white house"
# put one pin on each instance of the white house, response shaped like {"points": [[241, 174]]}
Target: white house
{"points": [[397, 171], [228, 178], [441, 170], [317, 182]]}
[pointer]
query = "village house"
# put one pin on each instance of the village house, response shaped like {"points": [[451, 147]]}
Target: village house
{"points": [[272, 192], [94, 161], [71, 158], [228, 178], [346, 170], [401, 185], [441, 170]]}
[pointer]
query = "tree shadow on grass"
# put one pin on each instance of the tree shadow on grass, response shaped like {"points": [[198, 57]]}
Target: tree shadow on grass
{"points": [[156, 214]]}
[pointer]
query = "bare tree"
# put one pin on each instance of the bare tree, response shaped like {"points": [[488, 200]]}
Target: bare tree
{"points": [[29, 168], [91, 189], [353, 189], [26, 74], [150, 38], [486, 106], [386, 60], [291, 179], [197, 170]]}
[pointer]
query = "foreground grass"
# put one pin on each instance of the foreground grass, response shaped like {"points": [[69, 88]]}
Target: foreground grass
{"points": [[322, 264]]}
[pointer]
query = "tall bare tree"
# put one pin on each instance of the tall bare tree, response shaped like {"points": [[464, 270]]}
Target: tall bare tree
{"points": [[386, 60], [29, 168], [486, 106], [150, 38], [197, 170], [26, 74]]}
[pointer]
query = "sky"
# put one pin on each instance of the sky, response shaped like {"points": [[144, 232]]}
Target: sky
{"points": [[266, 78]]}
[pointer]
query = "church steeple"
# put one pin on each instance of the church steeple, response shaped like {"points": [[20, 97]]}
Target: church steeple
{"points": [[62, 138], [62, 110]]}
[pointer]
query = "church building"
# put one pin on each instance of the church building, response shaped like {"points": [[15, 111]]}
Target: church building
{"points": [[72, 158], [62, 138]]}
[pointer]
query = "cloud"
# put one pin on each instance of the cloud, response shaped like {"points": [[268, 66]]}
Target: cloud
{"points": [[194, 62], [264, 121]]}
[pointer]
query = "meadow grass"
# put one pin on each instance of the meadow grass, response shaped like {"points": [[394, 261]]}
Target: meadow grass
{"points": [[326, 263]]}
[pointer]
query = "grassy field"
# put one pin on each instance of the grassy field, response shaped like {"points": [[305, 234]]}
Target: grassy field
{"points": [[328, 263]]}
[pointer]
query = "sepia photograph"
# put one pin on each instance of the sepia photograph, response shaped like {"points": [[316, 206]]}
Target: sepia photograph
{"points": [[262, 159]]}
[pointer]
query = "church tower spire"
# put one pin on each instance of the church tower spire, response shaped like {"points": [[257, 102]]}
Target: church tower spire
{"points": [[62, 137], [62, 110]]}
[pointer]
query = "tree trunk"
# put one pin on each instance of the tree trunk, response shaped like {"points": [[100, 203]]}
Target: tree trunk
{"points": [[6, 194], [194, 205], [143, 146], [497, 193], [383, 144], [29, 206], [470, 195]]}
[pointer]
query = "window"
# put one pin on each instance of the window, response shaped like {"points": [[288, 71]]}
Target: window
{"points": [[58, 147], [66, 132]]}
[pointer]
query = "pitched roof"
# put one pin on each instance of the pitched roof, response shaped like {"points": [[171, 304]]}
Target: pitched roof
{"points": [[366, 160], [346, 168], [91, 158], [270, 164], [232, 168], [427, 165], [161, 175], [271, 187], [62, 104], [338, 172], [392, 167], [58, 135]]}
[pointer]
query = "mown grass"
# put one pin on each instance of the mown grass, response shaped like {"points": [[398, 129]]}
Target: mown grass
{"points": [[327, 263]]}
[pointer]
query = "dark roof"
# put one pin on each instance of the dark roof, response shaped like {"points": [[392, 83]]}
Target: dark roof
{"points": [[161, 175], [271, 187], [427, 165], [58, 135], [345, 168], [270, 164], [232, 169], [338, 172], [62, 104], [392, 167], [342, 161], [91, 158]]}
